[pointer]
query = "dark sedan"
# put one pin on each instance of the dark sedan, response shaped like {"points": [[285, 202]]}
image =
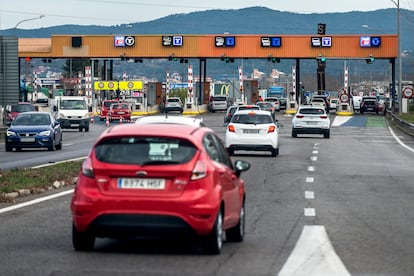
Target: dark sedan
{"points": [[34, 130]]}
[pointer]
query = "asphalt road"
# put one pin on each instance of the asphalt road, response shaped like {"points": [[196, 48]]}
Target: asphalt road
{"points": [[342, 206]]}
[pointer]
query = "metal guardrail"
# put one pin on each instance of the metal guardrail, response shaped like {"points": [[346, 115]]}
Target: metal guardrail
{"points": [[400, 124]]}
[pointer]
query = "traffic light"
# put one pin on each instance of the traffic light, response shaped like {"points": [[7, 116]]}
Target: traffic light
{"points": [[370, 60], [275, 60], [321, 63]]}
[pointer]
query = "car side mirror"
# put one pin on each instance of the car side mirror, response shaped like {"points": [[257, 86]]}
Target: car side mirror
{"points": [[55, 109], [241, 166]]}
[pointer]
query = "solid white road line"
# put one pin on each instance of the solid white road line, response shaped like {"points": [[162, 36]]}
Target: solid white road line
{"points": [[313, 255], [399, 141], [35, 201]]}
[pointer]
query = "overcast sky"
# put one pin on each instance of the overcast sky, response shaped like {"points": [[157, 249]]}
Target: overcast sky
{"points": [[112, 12]]}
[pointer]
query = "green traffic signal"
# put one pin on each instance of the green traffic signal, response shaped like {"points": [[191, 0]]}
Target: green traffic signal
{"points": [[323, 59]]}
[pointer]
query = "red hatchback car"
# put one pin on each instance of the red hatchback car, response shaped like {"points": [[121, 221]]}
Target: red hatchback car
{"points": [[138, 181], [120, 111], [106, 105]]}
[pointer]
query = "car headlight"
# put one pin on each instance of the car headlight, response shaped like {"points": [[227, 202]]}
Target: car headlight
{"points": [[11, 133], [44, 133]]}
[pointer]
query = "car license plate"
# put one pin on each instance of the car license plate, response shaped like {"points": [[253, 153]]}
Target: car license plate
{"points": [[141, 183], [251, 131], [121, 112], [27, 139], [74, 125]]}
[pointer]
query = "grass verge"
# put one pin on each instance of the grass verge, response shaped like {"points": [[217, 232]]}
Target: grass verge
{"points": [[38, 179]]}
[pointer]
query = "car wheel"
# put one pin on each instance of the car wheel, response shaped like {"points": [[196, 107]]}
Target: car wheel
{"points": [[275, 152], [80, 129], [86, 129], [59, 146], [53, 146], [214, 241], [326, 135], [236, 233], [294, 133], [82, 241], [8, 148], [230, 151]]}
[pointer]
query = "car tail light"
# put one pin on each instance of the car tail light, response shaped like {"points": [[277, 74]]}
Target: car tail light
{"points": [[324, 117], [87, 169], [300, 116], [199, 170], [271, 129], [231, 128]]}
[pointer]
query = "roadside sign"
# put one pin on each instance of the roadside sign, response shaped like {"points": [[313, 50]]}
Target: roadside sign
{"points": [[408, 92]]}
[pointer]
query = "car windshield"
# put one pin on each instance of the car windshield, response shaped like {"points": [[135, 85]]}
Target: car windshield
{"points": [[108, 104], [73, 104], [251, 119], [145, 151], [22, 108], [315, 111], [31, 120]]}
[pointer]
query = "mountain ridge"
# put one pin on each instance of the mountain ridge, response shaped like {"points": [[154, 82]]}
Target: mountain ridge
{"points": [[252, 20]]}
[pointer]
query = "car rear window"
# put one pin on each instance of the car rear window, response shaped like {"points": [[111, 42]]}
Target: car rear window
{"points": [[252, 119], [172, 100], [248, 108], [219, 98], [311, 111], [145, 151], [22, 108]]}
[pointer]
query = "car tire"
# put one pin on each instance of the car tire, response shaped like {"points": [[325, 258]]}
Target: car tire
{"points": [[82, 241], [294, 133], [236, 233], [86, 129], [275, 152], [214, 241], [59, 146], [230, 151], [8, 148], [80, 129], [53, 146], [326, 135]]}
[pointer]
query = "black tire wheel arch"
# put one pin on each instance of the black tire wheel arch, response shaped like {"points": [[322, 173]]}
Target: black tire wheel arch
{"points": [[236, 233], [213, 242], [82, 241]]}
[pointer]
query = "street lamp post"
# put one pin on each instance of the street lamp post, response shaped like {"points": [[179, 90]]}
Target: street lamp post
{"points": [[28, 19], [397, 4]]}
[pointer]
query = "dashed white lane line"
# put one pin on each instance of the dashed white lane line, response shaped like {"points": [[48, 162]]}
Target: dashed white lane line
{"points": [[309, 195], [309, 179], [311, 169], [309, 212], [313, 255], [314, 158]]}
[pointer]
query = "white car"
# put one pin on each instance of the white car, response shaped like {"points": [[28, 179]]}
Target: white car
{"points": [[252, 130], [319, 102], [333, 104], [165, 119], [310, 119]]}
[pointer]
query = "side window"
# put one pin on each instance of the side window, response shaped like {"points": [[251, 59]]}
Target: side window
{"points": [[211, 148], [224, 157]]}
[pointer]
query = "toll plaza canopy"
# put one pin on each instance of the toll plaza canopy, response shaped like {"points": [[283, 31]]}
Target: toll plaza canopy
{"points": [[382, 46]]}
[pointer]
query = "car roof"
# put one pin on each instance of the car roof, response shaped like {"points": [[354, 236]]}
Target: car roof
{"points": [[258, 112], [180, 131], [160, 119]]}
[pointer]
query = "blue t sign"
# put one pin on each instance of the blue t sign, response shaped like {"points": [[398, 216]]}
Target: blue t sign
{"points": [[230, 41], [375, 41], [276, 41]]}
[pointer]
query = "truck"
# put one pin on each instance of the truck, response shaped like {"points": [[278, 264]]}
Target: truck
{"points": [[276, 91], [72, 112]]}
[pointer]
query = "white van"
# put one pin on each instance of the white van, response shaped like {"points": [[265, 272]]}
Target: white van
{"points": [[218, 103], [356, 103]]}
